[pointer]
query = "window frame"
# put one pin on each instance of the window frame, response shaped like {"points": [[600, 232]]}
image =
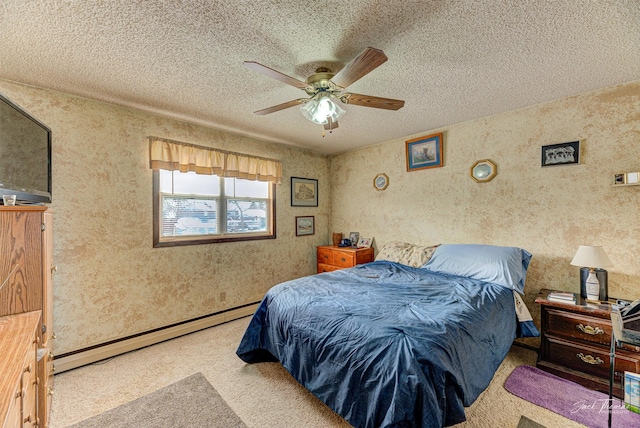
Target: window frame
{"points": [[159, 241]]}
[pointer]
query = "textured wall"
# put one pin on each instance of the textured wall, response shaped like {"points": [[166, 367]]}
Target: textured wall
{"points": [[111, 282], [548, 211]]}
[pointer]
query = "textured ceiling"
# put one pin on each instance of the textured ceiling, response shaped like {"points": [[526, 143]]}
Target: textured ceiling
{"points": [[451, 61]]}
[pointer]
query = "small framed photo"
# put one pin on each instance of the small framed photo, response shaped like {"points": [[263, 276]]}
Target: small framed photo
{"points": [[561, 154], [619, 178], [305, 225], [364, 242], [304, 192], [353, 237], [632, 178], [424, 152], [381, 181]]}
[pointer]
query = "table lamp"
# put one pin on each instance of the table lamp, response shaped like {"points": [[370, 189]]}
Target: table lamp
{"points": [[592, 257]]}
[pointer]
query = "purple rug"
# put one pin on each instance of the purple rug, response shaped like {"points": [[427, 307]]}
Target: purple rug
{"points": [[569, 399]]}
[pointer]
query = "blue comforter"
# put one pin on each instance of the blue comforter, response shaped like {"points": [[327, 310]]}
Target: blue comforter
{"points": [[384, 344]]}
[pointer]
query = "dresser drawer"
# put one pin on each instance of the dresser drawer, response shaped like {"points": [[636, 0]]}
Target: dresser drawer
{"points": [[575, 326], [327, 268], [325, 256], [589, 359], [344, 259]]}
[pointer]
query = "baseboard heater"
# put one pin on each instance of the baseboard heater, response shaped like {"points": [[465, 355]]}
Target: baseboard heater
{"points": [[81, 357]]}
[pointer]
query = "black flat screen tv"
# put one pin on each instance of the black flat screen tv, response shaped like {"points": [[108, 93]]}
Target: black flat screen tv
{"points": [[25, 155]]}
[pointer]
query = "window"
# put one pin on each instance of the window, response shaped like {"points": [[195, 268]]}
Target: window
{"points": [[192, 208]]}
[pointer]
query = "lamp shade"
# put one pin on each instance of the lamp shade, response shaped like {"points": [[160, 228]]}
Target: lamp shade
{"points": [[592, 256]]}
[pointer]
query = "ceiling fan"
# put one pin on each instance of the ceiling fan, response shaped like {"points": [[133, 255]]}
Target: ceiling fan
{"points": [[324, 88]]}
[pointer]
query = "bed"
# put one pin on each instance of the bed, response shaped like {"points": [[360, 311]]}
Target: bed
{"points": [[400, 342]]}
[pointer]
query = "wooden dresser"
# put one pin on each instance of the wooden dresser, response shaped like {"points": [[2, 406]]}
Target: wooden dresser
{"points": [[19, 339], [26, 272], [332, 257], [575, 344]]}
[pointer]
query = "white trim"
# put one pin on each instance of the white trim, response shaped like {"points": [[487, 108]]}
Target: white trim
{"points": [[111, 350]]}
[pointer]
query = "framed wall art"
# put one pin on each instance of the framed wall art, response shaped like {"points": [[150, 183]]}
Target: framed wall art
{"points": [[561, 154], [305, 225], [483, 171], [424, 152], [304, 192], [381, 181]]}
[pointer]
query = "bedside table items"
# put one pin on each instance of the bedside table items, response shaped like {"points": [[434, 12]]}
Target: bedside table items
{"points": [[337, 237], [592, 257], [353, 236], [559, 296], [364, 242], [345, 243]]}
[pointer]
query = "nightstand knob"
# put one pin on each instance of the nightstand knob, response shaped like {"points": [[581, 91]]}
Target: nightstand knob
{"points": [[589, 359], [589, 330], [343, 259]]}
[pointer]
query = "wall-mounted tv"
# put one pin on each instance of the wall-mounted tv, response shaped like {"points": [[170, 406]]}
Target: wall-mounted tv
{"points": [[25, 155]]}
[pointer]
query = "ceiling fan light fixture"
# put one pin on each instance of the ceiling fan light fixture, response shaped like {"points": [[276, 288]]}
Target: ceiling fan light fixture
{"points": [[322, 108]]}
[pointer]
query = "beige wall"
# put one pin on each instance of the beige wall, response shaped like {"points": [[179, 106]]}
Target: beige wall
{"points": [[111, 283], [548, 211]]}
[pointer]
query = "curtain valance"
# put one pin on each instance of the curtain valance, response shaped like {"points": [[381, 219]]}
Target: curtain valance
{"points": [[184, 157]]}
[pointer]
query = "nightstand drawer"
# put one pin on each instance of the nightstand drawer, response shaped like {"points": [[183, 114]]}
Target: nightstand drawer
{"points": [[325, 256], [575, 326], [344, 259], [327, 268], [587, 359]]}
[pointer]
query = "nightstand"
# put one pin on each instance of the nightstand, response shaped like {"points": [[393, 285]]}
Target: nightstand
{"points": [[575, 344], [332, 257]]}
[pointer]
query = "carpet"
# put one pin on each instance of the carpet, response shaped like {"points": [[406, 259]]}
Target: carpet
{"points": [[568, 399], [191, 402]]}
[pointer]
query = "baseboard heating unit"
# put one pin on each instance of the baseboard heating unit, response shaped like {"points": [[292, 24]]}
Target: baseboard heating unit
{"points": [[75, 359]]}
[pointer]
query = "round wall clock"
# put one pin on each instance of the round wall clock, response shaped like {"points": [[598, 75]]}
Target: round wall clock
{"points": [[381, 181], [483, 171]]}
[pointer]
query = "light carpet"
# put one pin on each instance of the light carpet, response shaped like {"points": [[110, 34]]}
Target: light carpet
{"points": [[569, 399], [191, 402]]}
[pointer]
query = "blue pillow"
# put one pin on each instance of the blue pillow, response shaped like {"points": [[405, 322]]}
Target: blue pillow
{"points": [[506, 266]]}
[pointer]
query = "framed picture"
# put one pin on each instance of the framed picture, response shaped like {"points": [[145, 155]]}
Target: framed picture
{"points": [[424, 152], [381, 181], [364, 242], [353, 237], [483, 171], [305, 225], [561, 154], [632, 178], [304, 192], [619, 178]]}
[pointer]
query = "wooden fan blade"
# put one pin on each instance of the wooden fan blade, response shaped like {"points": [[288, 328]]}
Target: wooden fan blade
{"points": [[369, 101], [270, 72], [282, 106], [367, 61]]}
